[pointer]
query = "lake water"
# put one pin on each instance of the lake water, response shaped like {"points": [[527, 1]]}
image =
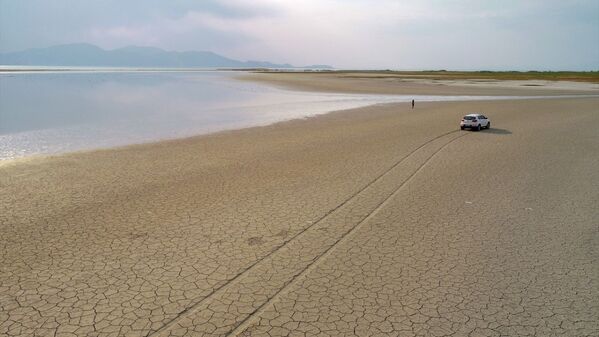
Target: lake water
{"points": [[56, 112]]}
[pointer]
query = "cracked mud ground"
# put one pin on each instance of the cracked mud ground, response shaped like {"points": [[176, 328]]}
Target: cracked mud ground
{"points": [[381, 221]]}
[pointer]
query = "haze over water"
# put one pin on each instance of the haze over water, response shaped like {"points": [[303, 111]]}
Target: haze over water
{"points": [[56, 112]]}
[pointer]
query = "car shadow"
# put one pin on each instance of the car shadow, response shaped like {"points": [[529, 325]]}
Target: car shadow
{"points": [[497, 131]]}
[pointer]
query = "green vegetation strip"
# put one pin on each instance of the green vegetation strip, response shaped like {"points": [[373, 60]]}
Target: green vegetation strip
{"points": [[577, 76]]}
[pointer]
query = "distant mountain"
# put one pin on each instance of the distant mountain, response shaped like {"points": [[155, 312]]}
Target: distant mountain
{"points": [[88, 55]]}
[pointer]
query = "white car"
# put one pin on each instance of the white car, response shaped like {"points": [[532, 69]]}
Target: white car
{"points": [[475, 122]]}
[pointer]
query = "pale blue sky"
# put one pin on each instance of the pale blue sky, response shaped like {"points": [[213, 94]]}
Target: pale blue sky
{"points": [[426, 34]]}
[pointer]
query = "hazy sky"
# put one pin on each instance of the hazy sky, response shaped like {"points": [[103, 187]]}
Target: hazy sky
{"points": [[426, 34]]}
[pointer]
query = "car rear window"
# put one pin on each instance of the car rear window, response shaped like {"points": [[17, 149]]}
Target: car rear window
{"points": [[469, 118]]}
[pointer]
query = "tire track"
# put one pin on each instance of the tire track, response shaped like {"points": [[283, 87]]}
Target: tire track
{"points": [[247, 322], [222, 289]]}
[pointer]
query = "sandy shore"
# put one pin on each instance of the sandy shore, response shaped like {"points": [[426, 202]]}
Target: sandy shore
{"points": [[378, 221], [396, 84]]}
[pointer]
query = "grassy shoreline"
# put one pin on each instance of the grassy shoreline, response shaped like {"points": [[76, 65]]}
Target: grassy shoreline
{"points": [[575, 76]]}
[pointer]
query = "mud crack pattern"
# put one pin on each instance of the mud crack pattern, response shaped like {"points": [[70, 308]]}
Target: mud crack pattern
{"points": [[361, 223]]}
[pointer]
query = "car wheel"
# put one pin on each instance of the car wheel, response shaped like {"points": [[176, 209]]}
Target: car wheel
{"points": [[461, 127], [478, 127], [488, 125]]}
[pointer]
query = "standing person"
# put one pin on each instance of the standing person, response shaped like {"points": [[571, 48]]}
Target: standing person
{"points": [[412, 104]]}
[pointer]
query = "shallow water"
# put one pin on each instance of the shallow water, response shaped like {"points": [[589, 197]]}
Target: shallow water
{"points": [[56, 112]]}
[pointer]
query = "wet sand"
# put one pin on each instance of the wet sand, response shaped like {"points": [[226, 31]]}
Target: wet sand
{"points": [[378, 221]]}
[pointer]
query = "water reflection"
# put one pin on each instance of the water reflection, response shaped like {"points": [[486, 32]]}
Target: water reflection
{"points": [[42, 113]]}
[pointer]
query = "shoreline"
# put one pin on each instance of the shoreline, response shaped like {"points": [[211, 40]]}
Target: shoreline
{"points": [[43, 156], [371, 83], [308, 82], [333, 208]]}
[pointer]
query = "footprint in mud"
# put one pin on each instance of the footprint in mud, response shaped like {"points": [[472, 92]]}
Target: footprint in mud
{"points": [[283, 233], [136, 235], [256, 240]]}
